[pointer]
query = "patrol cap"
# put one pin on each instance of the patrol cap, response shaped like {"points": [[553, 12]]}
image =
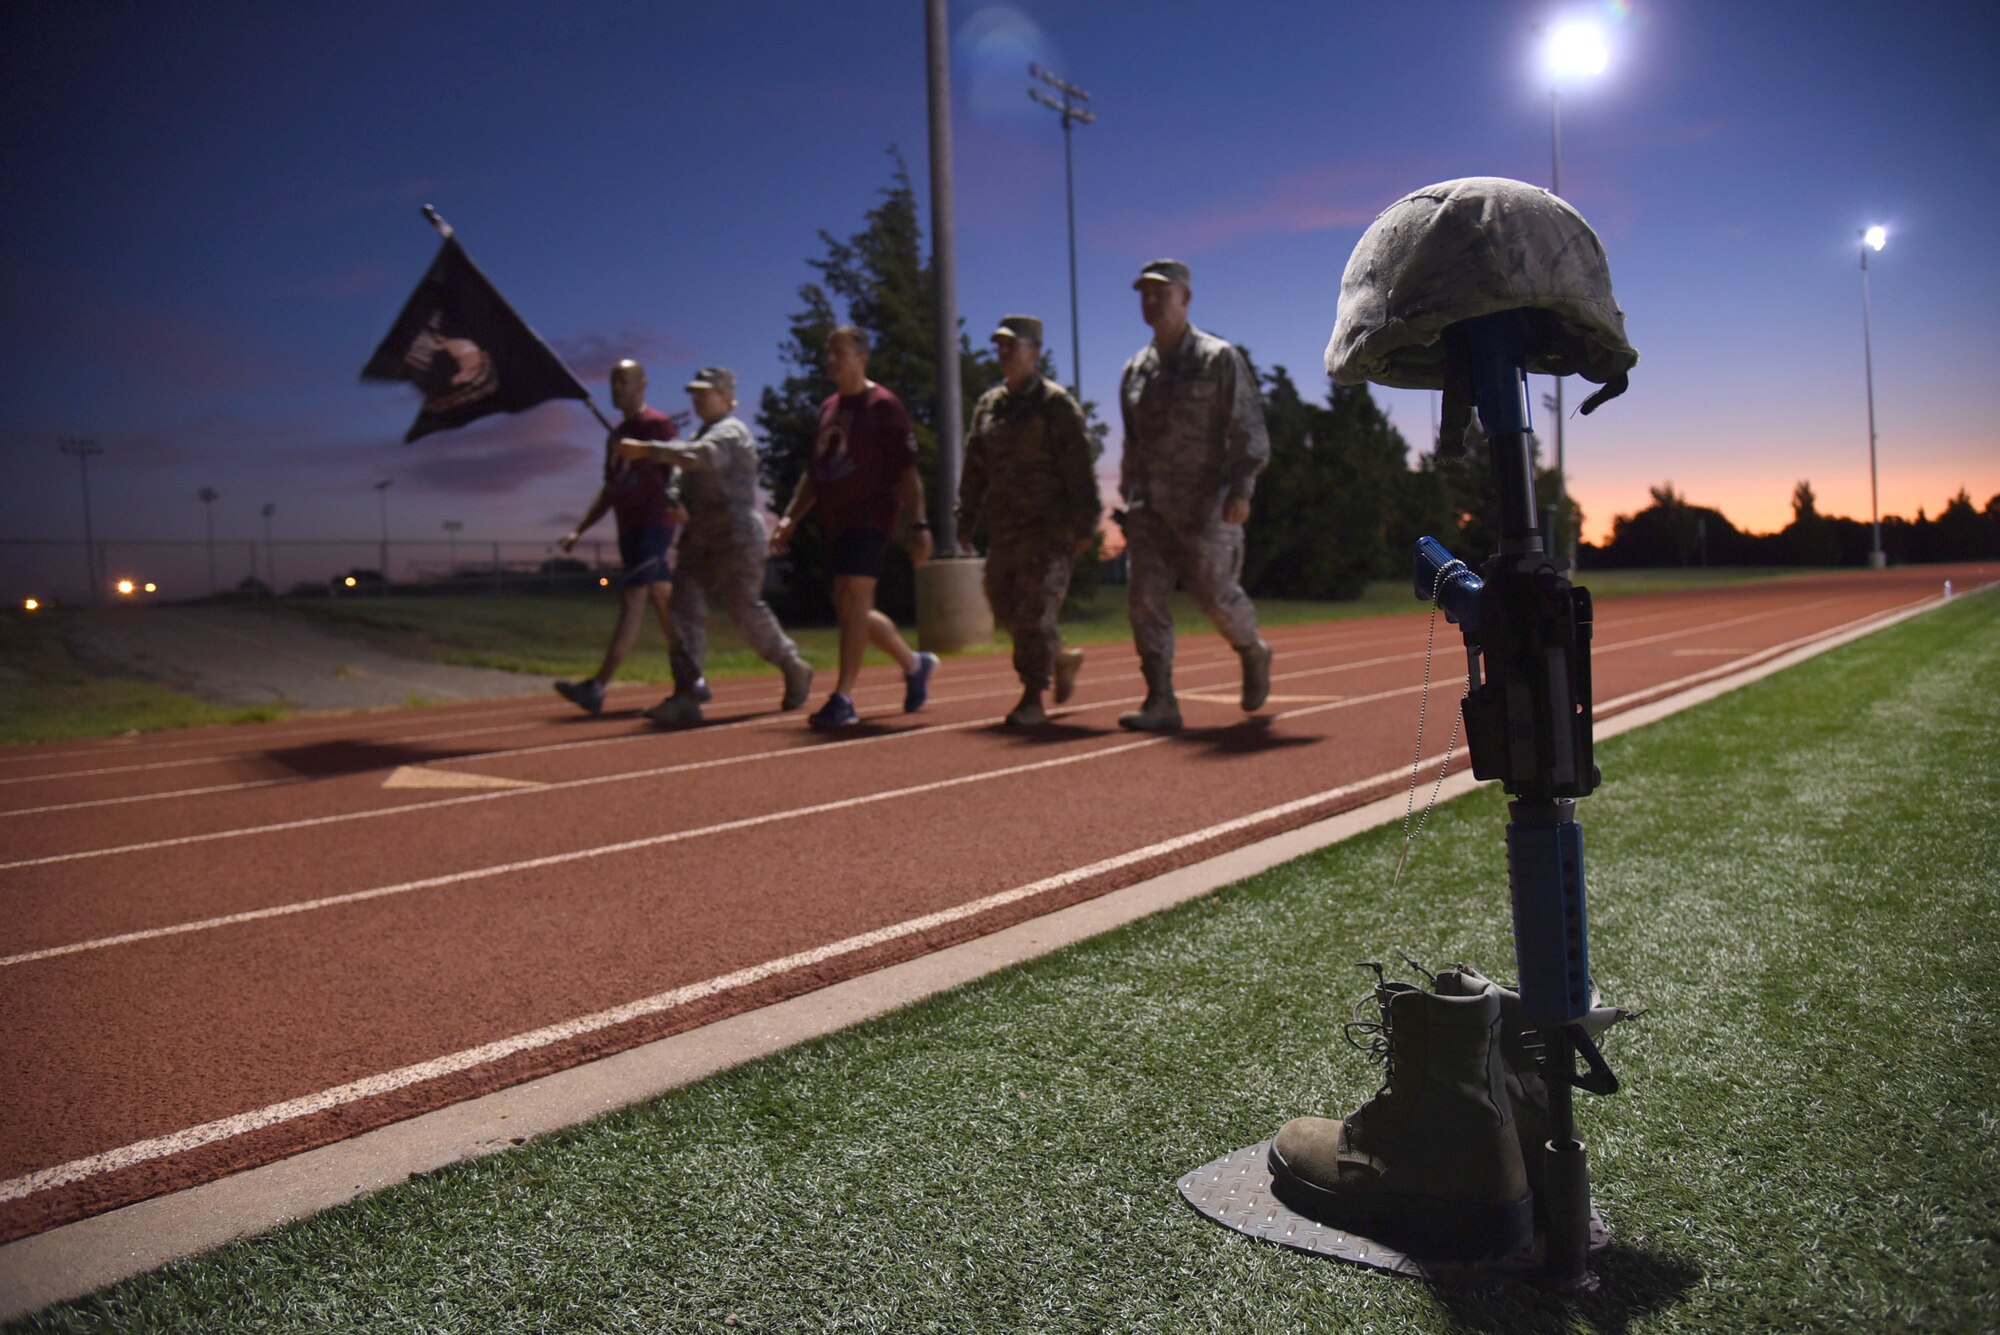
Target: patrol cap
{"points": [[1164, 271], [1019, 326], [714, 377]]}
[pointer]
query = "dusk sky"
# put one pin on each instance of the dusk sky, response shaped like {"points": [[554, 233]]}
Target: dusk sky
{"points": [[211, 217]]}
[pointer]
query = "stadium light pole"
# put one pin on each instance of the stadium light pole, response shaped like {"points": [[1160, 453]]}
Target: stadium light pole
{"points": [[1575, 51], [1872, 239], [84, 449], [382, 490], [944, 260], [1071, 114], [208, 496], [451, 528], [270, 548]]}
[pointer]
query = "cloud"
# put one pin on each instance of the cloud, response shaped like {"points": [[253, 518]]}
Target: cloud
{"points": [[993, 51], [592, 355], [494, 470], [1313, 200]]}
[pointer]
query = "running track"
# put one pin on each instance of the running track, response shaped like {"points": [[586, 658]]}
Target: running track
{"points": [[226, 945]]}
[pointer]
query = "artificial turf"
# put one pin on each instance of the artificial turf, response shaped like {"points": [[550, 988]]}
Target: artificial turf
{"points": [[1797, 881]]}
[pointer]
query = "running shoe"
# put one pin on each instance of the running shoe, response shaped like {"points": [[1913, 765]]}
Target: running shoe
{"points": [[837, 712], [677, 711], [917, 683], [585, 695]]}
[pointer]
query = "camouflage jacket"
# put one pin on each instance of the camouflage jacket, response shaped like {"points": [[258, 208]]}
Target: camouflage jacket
{"points": [[1194, 429], [718, 482], [1027, 466]]}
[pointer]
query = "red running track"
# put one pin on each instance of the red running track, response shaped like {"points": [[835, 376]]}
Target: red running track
{"points": [[227, 945]]}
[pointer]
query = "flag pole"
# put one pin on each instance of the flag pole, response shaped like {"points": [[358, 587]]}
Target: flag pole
{"points": [[444, 230]]}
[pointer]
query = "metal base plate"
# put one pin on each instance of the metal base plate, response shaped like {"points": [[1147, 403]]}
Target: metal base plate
{"points": [[1235, 1191]]}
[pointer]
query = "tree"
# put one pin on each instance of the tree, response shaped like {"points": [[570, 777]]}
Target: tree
{"points": [[880, 280], [1326, 515]]}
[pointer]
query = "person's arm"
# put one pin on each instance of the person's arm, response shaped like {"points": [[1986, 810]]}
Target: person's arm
{"points": [[802, 502], [1131, 479], [1246, 443], [590, 516], [910, 487], [1071, 440], [972, 482]]}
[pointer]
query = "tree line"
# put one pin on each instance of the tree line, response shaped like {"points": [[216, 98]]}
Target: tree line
{"points": [[1341, 502]]}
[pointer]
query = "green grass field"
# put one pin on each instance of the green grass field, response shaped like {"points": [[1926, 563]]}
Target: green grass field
{"points": [[555, 635], [1797, 880], [47, 695]]}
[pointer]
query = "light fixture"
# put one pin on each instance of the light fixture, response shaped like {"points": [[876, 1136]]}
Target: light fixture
{"points": [[152, 587], [349, 581], [125, 587], [1875, 237], [31, 604], [1577, 50]]}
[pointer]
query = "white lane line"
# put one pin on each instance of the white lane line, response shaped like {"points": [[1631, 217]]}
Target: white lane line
{"points": [[179, 1142], [577, 855], [965, 671], [650, 841], [155, 797], [308, 822]]}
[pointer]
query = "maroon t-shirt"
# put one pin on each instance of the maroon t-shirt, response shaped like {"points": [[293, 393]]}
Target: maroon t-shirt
{"points": [[638, 488], [864, 447]]}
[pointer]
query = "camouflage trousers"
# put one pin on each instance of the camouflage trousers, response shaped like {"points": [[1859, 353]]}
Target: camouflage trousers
{"points": [[1208, 560], [1026, 581], [734, 574]]}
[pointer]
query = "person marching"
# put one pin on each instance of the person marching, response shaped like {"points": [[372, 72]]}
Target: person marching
{"points": [[862, 472], [642, 496], [1028, 473], [1194, 444], [722, 549]]}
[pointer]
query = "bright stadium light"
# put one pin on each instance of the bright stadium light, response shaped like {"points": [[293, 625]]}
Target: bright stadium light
{"points": [[31, 604], [125, 587], [1577, 50], [152, 587], [603, 582], [349, 581], [1875, 237]]}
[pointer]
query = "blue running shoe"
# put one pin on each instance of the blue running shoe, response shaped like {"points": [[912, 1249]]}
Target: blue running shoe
{"points": [[586, 695], [917, 683], [837, 712]]}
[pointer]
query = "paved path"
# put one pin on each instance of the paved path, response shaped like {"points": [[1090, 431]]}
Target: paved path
{"points": [[224, 946], [246, 656]]}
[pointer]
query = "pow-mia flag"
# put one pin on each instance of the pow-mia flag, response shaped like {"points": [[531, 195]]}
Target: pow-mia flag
{"points": [[460, 343]]}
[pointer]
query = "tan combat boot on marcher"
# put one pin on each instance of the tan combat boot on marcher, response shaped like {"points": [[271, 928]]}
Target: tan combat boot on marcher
{"points": [[1029, 713], [1256, 676], [1161, 712], [1069, 662], [1431, 1164]]}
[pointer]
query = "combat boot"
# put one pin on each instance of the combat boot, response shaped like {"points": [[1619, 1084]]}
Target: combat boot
{"points": [[1160, 712], [1431, 1164], [682, 709], [1029, 713], [798, 682], [1069, 662], [1256, 676], [1522, 1046]]}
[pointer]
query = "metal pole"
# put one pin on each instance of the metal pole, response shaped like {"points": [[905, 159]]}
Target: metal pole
{"points": [[270, 549], [83, 448], [1071, 114], [944, 261], [1559, 541], [1875, 558], [382, 490], [207, 496]]}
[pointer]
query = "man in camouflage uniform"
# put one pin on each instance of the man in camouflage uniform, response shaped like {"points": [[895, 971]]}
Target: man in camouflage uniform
{"points": [[1028, 474], [1194, 444], [722, 551]]}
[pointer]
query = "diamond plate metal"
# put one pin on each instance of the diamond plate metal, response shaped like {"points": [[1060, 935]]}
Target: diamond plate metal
{"points": [[1235, 1191]]}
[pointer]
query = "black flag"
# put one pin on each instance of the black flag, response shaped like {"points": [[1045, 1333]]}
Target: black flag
{"points": [[461, 343]]}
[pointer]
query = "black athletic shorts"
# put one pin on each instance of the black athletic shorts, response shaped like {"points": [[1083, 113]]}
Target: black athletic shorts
{"points": [[644, 551], [860, 552]]}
